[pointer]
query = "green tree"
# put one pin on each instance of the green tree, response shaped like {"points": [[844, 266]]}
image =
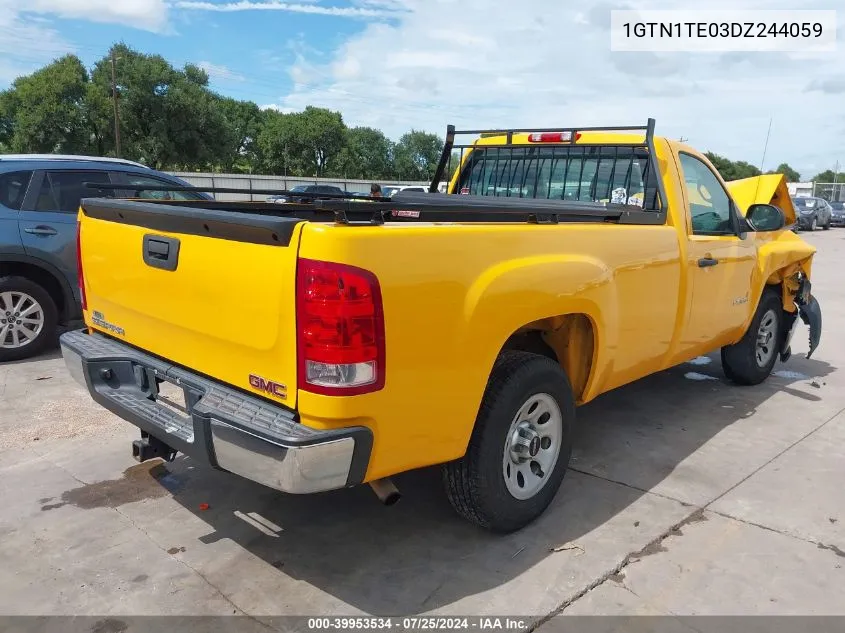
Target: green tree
{"points": [[786, 170], [731, 170], [367, 153], [281, 145], [829, 176], [245, 120], [745, 170], [168, 117], [323, 137], [44, 112], [8, 110], [416, 155]]}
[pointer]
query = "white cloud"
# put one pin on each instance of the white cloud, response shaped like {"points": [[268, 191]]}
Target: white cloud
{"points": [[150, 15], [220, 73], [290, 7], [534, 63], [26, 44], [277, 108], [29, 39]]}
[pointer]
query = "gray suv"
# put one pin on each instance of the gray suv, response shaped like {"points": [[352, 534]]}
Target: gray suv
{"points": [[39, 201]]}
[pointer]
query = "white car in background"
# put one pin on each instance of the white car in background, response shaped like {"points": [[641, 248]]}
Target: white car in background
{"points": [[392, 190]]}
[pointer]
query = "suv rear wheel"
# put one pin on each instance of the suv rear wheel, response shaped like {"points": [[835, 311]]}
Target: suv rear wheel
{"points": [[28, 318]]}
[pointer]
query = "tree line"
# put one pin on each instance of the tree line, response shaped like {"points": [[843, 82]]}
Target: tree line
{"points": [[170, 119], [737, 170]]}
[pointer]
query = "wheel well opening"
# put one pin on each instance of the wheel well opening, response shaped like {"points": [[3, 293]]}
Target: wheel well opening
{"points": [[568, 339], [43, 278]]}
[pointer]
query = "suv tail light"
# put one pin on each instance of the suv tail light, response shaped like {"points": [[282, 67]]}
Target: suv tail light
{"points": [[79, 274], [340, 325]]}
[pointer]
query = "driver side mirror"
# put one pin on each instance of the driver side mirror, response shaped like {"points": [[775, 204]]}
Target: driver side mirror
{"points": [[762, 218]]}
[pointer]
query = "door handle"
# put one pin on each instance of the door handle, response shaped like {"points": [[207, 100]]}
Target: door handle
{"points": [[41, 230], [705, 262]]}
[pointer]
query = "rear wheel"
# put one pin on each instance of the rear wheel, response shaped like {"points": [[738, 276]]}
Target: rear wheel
{"points": [[826, 225], [751, 360], [28, 318], [520, 446], [813, 224]]}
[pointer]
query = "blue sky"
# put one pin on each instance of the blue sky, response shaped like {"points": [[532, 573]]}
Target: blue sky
{"points": [[248, 54], [403, 64]]}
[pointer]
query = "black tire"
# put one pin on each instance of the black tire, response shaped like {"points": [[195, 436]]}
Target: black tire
{"points": [[826, 226], [46, 336], [475, 484], [813, 225], [740, 361]]}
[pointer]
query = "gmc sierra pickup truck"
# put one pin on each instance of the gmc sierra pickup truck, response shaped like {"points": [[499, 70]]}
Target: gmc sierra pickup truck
{"points": [[315, 346]]}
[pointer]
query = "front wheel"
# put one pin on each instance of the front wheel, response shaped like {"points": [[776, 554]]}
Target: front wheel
{"points": [[751, 360], [520, 446], [813, 224]]}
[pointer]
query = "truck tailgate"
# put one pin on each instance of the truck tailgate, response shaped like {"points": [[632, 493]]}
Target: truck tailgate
{"points": [[211, 290]]}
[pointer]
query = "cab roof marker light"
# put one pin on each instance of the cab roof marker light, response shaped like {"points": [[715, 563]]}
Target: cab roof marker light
{"points": [[552, 137]]}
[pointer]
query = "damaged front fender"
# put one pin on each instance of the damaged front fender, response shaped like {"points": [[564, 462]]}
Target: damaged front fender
{"points": [[811, 315]]}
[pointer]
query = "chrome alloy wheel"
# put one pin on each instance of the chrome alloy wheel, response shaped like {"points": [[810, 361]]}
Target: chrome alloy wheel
{"points": [[21, 319]]}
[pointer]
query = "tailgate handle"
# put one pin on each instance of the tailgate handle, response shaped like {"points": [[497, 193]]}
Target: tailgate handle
{"points": [[161, 252]]}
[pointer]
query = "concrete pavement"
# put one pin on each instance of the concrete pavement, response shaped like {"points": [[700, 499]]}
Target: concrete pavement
{"points": [[686, 496]]}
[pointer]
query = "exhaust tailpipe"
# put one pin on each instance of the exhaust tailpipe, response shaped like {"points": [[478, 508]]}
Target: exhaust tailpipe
{"points": [[386, 492]]}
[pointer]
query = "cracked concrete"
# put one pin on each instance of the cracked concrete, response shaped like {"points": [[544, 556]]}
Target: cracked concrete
{"points": [[684, 497]]}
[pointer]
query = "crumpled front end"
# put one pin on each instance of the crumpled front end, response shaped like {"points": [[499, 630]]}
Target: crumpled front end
{"points": [[784, 258], [798, 297]]}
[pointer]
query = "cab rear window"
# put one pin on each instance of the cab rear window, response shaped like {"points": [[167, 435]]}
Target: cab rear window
{"points": [[612, 174]]}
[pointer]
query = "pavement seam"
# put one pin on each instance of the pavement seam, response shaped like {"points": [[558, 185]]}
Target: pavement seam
{"points": [[631, 557], [193, 569], [783, 452], [796, 537], [633, 487], [692, 517]]}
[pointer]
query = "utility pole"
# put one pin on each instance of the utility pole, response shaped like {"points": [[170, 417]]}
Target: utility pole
{"points": [[833, 195], [116, 111]]}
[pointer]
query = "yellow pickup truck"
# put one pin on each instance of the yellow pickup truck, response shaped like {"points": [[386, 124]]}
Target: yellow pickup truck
{"points": [[316, 346]]}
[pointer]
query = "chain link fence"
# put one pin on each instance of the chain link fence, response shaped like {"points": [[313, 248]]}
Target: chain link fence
{"points": [[830, 191], [249, 182]]}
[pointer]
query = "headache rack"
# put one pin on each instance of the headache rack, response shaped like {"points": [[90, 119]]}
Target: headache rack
{"points": [[435, 207], [558, 144]]}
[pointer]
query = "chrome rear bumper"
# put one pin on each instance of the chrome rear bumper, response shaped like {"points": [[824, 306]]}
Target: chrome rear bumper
{"points": [[220, 425]]}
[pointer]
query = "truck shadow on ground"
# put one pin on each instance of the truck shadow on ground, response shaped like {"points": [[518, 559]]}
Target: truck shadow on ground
{"points": [[419, 555]]}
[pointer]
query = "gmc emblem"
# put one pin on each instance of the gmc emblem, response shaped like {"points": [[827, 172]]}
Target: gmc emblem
{"points": [[268, 386]]}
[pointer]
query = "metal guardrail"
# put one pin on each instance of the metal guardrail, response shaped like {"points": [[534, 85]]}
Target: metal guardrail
{"points": [[249, 183]]}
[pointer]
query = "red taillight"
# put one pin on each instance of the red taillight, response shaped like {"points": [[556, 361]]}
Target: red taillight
{"points": [[82, 298], [340, 329], [552, 137]]}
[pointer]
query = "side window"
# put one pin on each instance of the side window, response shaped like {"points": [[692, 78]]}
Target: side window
{"points": [[710, 206], [13, 188], [62, 190], [141, 181]]}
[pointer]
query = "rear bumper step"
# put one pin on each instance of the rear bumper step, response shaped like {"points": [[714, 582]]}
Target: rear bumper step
{"points": [[220, 426]]}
